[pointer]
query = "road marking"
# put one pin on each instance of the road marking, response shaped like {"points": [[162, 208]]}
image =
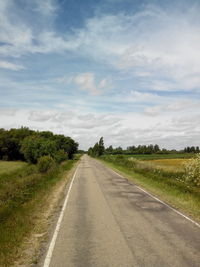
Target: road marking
{"points": [[178, 212], [53, 240]]}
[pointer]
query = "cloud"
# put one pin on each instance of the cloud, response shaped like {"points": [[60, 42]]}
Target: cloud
{"points": [[175, 106], [47, 7], [8, 111], [118, 130], [41, 116], [18, 37], [133, 63], [87, 82], [10, 66], [159, 46]]}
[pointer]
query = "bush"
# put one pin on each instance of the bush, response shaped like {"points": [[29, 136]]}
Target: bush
{"points": [[45, 163], [60, 156], [34, 147], [192, 171]]}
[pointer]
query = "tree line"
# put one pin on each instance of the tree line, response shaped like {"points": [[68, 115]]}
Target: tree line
{"points": [[191, 149], [29, 145], [98, 149]]}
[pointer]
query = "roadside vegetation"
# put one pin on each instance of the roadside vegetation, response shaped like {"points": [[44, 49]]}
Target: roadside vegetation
{"points": [[31, 165], [10, 166], [174, 176], [28, 145]]}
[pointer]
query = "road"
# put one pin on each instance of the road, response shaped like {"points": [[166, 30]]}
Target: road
{"points": [[108, 221]]}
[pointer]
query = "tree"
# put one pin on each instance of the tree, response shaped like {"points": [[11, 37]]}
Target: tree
{"points": [[34, 147], [101, 148], [109, 150], [67, 144], [98, 149], [10, 143]]}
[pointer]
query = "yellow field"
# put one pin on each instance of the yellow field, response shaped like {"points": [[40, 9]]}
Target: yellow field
{"points": [[173, 165], [167, 164], [9, 166]]}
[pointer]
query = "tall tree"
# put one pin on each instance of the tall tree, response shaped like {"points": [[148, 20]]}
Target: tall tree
{"points": [[101, 147]]}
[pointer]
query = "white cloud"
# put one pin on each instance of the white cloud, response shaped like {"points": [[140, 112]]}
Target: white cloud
{"points": [[118, 130], [47, 7], [10, 66], [87, 82], [41, 116], [156, 49], [160, 46], [154, 44], [175, 106], [8, 112]]}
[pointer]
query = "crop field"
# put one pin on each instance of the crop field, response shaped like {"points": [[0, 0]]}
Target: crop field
{"points": [[161, 156], [174, 165], [10, 166]]}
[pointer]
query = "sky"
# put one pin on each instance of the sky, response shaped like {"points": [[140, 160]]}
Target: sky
{"points": [[127, 70]]}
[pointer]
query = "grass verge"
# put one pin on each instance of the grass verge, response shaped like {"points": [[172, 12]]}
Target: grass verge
{"points": [[23, 195], [173, 191], [10, 166]]}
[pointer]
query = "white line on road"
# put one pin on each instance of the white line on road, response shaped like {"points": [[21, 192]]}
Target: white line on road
{"points": [[53, 240], [178, 212]]}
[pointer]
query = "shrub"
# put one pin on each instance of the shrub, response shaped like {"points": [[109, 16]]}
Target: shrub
{"points": [[45, 163], [60, 156], [34, 147], [192, 171]]}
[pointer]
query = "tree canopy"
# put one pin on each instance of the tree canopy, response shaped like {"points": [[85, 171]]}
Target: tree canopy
{"points": [[98, 149], [29, 145]]}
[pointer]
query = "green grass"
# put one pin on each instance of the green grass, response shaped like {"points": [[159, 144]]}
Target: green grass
{"points": [[22, 194], [168, 186], [10, 166]]}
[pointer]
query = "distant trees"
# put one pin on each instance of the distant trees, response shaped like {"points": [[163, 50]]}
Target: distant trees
{"points": [[98, 149], [29, 145], [148, 149], [141, 149], [191, 149]]}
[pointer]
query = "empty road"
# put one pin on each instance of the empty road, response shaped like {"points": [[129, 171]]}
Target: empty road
{"points": [[109, 222]]}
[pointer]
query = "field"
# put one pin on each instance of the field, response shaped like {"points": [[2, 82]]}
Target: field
{"points": [[161, 156], [10, 166], [174, 165]]}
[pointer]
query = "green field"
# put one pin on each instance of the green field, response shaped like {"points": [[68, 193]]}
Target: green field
{"points": [[10, 166]]}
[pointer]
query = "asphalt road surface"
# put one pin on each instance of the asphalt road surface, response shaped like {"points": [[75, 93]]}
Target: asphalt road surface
{"points": [[109, 222]]}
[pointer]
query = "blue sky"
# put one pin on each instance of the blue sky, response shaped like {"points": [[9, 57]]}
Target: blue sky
{"points": [[126, 70]]}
